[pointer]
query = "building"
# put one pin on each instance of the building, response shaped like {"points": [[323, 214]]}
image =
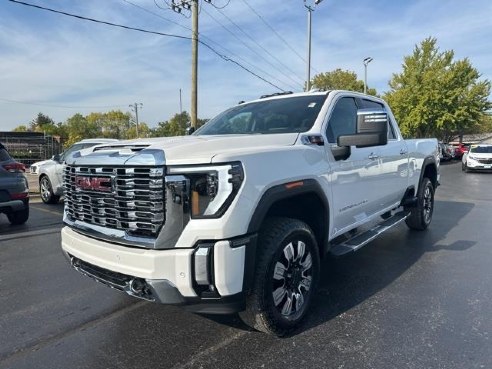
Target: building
{"points": [[29, 147]]}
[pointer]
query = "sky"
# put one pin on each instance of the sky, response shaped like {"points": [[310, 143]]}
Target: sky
{"points": [[60, 66]]}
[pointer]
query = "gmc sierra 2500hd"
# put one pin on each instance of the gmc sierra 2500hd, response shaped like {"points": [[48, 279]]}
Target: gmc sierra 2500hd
{"points": [[237, 216]]}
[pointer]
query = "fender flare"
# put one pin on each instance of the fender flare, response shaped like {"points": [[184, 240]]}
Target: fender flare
{"points": [[282, 192], [430, 160]]}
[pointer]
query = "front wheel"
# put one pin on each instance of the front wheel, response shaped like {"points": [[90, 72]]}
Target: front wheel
{"points": [[287, 273], [46, 191], [421, 215]]}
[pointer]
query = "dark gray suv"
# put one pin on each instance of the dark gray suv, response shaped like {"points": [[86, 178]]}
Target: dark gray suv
{"points": [[14, 190]]}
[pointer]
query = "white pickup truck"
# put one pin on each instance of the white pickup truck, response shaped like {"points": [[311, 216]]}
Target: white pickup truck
{"points": [[238, 216]]}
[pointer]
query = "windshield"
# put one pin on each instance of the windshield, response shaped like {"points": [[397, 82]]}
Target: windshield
{"points": [[481, 149], [286, 115]]}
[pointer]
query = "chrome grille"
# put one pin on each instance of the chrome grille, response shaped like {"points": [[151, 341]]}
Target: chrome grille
{"points": [[485, 160], [131, 199]]}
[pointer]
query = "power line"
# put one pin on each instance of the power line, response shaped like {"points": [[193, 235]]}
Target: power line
{"points": [[277, 34], [48, 105], [157, 15], [208, 39], [218, 7], [251, 49], [224, 57], [257, 44]]}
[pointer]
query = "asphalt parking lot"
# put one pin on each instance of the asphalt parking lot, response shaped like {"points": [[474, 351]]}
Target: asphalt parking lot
{"points": [[407, 300]]}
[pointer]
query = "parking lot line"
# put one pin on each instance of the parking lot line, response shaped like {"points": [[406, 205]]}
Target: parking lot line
{"points": [[47, 211]]}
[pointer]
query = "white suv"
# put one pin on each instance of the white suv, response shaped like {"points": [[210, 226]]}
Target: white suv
{"points": [[51, 171], [479, 157]]}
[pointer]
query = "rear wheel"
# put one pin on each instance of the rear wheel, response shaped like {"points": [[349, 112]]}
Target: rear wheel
{"points": [[287, 273], [46, 191], [421, 215], [19, 216]]}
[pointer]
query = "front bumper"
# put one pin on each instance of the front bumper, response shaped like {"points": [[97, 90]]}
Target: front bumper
{"points": [[476, 165], [172, 276]]}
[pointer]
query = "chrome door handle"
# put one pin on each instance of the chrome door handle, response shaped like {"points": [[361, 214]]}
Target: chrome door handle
{"points": [[373, 156], [403, 152]]}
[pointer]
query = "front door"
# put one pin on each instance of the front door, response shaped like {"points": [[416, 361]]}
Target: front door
{"points": [[354, 180]]}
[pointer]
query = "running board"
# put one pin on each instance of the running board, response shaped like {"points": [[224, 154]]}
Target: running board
{"points": [[363, 239]]}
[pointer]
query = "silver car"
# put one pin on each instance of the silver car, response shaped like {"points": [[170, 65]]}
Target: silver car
{"points": [[14, 189], [51, 171]]}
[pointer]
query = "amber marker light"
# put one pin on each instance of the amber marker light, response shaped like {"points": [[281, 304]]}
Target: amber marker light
{"points": [[292, 185]]}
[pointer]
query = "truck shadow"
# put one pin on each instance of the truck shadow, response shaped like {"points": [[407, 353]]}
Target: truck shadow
{"points": [[346, 282]]}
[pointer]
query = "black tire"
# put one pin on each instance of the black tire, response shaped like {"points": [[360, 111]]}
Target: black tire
{"points": [[463, 167], [19, 216], [46, 191], [287, 273], [421, 215]]}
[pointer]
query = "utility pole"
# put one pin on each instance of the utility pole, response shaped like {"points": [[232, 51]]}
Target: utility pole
{"points": [[192, 5], [194, 64], [310, 9], [134, 107], [180, 103], [366, 61]]}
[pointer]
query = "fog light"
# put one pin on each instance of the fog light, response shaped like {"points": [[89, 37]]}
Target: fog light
{"points": [[137, 286], [203, 266]]}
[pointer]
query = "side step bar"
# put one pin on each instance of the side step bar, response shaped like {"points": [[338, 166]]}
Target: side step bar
{"points": [[355, 243]]}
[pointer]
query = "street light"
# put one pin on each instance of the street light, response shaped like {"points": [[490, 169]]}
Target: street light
{"points": [[366, 61], [310, 9]]}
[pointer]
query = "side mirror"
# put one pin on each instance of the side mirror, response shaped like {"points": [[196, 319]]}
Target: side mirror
{"points": [[190, 130], [372, 129], [56, 157]]}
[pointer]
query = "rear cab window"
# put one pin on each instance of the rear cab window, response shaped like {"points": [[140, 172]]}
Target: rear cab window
{"points": [[377, 105]]}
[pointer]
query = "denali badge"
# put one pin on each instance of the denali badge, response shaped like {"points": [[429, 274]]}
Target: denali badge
{"points": [[93, 183]]}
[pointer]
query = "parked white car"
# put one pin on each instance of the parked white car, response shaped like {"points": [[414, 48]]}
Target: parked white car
{"points": [[479, 157], [51, 171], [34, 168]]}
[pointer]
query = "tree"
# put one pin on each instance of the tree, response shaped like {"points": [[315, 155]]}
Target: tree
{"points": [[340, 80], [79, 127], [41, 121], [435, 96], [143, 131], [176, 126], [21, 128]]}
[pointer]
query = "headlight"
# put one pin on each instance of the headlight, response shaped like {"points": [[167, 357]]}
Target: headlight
{"points": [[212, 187], [471, 157]]}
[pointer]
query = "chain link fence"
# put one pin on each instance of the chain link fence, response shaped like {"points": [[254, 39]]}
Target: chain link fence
{"points": [[30, 147]]}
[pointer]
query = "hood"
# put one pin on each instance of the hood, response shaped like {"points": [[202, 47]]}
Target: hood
{"points": [[480, 155], [179, 150], [44, 162]]}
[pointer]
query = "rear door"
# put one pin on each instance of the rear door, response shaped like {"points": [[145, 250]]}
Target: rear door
{"points": [[394, 167]]}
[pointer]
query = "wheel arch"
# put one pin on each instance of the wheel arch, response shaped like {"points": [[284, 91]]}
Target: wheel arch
{"points": [[303, 199], [429, 170]]}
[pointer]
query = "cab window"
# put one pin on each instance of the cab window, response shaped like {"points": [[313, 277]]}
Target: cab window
{"points": [[376, 105], [343, 119]]}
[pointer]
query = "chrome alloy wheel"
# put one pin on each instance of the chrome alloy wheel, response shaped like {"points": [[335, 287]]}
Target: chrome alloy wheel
{"points": [[292, 278], [428, 204], [45, 189]]}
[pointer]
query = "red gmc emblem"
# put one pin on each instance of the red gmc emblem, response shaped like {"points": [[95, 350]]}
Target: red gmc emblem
{"points": [[102, 184]]}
